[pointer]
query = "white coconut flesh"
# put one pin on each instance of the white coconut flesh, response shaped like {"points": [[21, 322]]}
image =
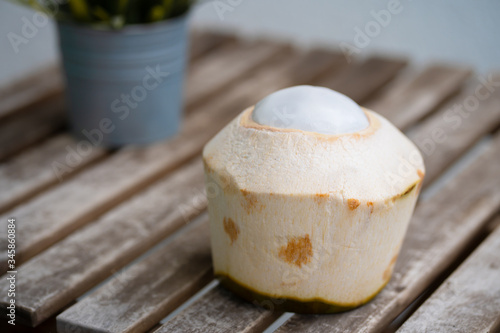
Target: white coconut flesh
{"points": [[312, 214], [313, 109]]}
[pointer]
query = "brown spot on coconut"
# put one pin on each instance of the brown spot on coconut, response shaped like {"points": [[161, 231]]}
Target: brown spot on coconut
{"points": [[231, 229], [298, 251], [296, 163], [353, 204], [321, 197], [370, 206], [251, 202]]}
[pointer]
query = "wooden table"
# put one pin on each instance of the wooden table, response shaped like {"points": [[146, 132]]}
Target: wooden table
{"points": [[118, 242]]}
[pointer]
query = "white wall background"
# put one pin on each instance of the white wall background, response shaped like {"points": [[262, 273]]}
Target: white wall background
{"points": [[451, 31]]}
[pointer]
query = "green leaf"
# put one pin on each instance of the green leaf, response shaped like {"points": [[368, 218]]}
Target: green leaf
{"points": [[80, 10], [122, 6], [157, 13], [100, 13]]}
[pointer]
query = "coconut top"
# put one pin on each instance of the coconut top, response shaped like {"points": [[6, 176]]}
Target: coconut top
{"points": [[313, 109], [373, 164]]}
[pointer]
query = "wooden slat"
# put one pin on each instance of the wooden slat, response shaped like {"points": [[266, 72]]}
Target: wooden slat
{"points": [[42, 85], [20, 131], [439, 229], [232, 314], [137, 166], [141, 296], [221, 68], [66, 270], [33, 170], [469, 300], [442, 141], [220, 311], [375, 71], [47, 83], [230, 321], [309, 66], [48, 218], [202, 43], [433, 86], [55, 294], [201, 316], [41, 118]]}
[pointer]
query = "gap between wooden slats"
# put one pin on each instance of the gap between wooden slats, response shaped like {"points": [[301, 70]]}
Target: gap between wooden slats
{"points": [[69, 318], [41, 100], [458, 260], [76, 309], [462, 128], [23, 130], [200, 310], [142, 294], [469, 300], [33, 171], [218, 70], [59, 211], [66, 270], [44, 84], [433, 86], [486, 111], [440, 228], [268, 79], [50, 162], [48, 81], [375, 71]]}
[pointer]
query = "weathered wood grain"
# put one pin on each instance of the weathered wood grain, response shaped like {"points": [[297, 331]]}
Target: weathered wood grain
{"points": [[228, 307], [242, 96], [59, 275], [226, 318], [142, 295], [34, 170], [440, 228], [309, 64], [46, 114], [134, 166], [43, 84], [430, 88], [220, 311], [455, 129], [27, 128], [37, 169], [222, 67], [469, 300], [253, 317], [375, 71], [50, 217], [457, 146], [47, 82]]}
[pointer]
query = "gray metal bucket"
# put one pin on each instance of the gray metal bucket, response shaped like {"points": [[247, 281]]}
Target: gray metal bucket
{"points": [[125, 87]]}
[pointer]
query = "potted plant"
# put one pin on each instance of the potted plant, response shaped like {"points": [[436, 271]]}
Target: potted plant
{"points": [[124, 64]]}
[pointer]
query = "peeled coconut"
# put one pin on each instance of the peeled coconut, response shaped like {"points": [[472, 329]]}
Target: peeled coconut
{"points": [[309, 197]]}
